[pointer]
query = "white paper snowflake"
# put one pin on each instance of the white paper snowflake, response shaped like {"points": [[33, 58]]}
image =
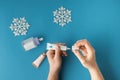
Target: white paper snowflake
{"points": [[62, 16], [19, 26]]}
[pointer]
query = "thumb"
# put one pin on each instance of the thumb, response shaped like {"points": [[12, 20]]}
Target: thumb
{"points": [[50, 55]]}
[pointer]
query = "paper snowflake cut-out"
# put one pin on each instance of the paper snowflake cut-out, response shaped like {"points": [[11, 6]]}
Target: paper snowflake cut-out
{"points": [[19, 26], [62, 16]]}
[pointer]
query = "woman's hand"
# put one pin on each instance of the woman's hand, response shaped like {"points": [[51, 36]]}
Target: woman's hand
{"points": [[87, 58], [87, 54], [55, 62]]}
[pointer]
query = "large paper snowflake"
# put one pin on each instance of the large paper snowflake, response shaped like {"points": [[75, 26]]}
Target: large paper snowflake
{"points": [[19, 26], [62, 16]]}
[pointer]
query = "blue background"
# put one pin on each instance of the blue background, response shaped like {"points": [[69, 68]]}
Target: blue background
{"points": [[95, 20]]}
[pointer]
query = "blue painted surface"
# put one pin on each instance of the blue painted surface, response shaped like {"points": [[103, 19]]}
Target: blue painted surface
{"points": [[96, 20]]}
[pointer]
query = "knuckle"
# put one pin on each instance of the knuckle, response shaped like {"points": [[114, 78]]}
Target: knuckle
{"points": [[86, 41], [84, 62]]}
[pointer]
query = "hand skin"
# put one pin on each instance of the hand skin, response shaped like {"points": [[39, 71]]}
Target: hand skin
{"points": [[55, 62], [87, 58]]}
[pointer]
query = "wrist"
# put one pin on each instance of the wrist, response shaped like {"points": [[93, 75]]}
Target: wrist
{"points": [[94, 67], [53, 75], [54, 71], [96, 73]]}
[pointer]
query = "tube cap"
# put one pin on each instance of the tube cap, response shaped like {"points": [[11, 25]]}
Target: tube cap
{"points": [[41, 39]]}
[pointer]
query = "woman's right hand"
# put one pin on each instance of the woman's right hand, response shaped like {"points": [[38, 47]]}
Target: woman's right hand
{"points": [[87, 57]]}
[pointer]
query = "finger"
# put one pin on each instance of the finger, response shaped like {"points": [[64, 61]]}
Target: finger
{"points": [[88, 46], [50, 55], [84, 45], [84, 52], [57, 51], [79, 43], [79, 56], [64, 53], [81, 48], [62, 44]]}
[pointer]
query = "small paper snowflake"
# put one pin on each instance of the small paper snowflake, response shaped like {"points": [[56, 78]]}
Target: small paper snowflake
{"points": [[19, 26], [62, 16]]}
